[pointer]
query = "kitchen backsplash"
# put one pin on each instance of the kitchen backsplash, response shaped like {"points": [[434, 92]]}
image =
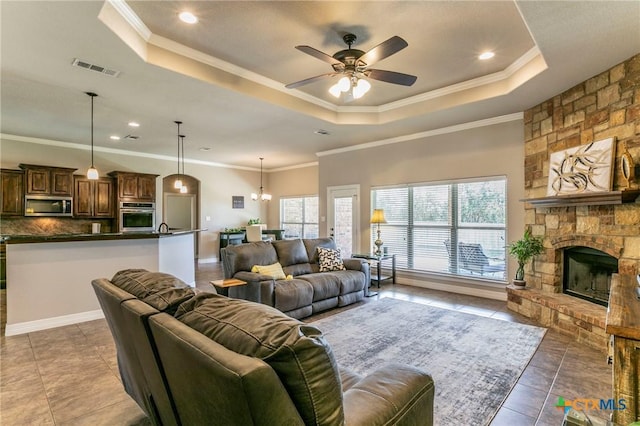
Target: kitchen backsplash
{"points": [[51, 225]]}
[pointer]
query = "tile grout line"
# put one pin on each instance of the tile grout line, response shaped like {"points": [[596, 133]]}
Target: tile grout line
{"points": [[44, 388], [553, 382]]}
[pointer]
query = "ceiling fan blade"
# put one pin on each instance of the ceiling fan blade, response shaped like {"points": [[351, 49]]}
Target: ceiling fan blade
{"points": [[391, 77], [310, 80], [320, 55], [383, 50]]}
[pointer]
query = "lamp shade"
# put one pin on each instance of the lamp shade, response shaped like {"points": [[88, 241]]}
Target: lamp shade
{"points": [[378, 216]]}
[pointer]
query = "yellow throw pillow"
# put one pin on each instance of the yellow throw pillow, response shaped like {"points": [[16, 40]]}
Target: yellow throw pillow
{"points": [[274, 271]]}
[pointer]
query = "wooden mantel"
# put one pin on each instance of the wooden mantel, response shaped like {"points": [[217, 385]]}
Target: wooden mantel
{"points": [[623, 323], [588, 199], [623, 315]]}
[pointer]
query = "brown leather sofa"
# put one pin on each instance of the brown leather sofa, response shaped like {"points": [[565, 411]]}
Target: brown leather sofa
{"points": [[310, 291], [202, 359]]}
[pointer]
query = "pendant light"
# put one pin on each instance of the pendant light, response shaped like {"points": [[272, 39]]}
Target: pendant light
{"points": [[178, 182], [183, 189], [92, 172], [263, 196]]}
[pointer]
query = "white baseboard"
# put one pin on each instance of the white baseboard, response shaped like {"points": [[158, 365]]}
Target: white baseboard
{"points": [[46, 323], [208, 260], [451, 288]]}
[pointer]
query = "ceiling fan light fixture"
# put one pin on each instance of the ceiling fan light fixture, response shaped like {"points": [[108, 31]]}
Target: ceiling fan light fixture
{"points": [[344, 84], [361, 88], [335, 90]]}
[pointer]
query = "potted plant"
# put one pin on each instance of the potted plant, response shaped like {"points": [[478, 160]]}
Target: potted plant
{"points": [[524, 250]]}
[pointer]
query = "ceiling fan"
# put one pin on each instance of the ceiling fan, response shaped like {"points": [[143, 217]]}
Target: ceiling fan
{"points": [[354, 63]]}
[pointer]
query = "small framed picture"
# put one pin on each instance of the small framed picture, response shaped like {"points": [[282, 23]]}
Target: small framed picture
{"points": [[237, 201]]}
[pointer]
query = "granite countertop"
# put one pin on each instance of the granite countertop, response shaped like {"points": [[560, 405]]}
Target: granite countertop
{"points": [[52, 238]]}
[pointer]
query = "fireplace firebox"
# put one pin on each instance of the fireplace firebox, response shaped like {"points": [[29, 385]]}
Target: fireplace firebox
{"points": [[587, 274]]}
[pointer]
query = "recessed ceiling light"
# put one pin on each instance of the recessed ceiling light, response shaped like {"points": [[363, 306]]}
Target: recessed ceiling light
{"points": [[134, 124], [205, 148], [114, 137], [188, 17], [486, 55], [322, 132]]}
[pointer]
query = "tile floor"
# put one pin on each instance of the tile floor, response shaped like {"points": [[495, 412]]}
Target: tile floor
{"points": [[69, 375]]}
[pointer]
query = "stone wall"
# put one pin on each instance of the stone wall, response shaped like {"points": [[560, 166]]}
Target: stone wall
{"points": [[607, 105]]}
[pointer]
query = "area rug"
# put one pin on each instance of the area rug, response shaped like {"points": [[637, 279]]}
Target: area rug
{"points": [[474, 361]]}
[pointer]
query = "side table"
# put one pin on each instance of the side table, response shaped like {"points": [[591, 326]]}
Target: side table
{"points": [[222, 286], [379, 277], [238, 289]]}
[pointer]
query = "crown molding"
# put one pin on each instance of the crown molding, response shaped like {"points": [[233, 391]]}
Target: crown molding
{"points": [[116, 151], [486, 87], [427, 134]]}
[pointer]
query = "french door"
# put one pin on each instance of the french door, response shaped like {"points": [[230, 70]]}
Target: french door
{"points": [[343, 217]]}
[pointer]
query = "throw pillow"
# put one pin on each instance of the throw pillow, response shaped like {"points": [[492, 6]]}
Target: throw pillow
{"points": [[274, 271], [330, 260]]}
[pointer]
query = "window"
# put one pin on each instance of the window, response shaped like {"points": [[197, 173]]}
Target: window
{"points": [[299, 217], [456, 228]]}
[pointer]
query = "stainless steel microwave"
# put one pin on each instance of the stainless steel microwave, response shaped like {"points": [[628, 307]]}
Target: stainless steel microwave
{"points": [[46, 205]]}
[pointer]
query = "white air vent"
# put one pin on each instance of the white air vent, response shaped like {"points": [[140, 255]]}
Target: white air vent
{"points": [[131, 137], [93, 67]]}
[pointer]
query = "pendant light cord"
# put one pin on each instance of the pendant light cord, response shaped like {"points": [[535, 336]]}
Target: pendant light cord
{"points": [[178, 123], [92, 96], [261, 191], [182, 137]]}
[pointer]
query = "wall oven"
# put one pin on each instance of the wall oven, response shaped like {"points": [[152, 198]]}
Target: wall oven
{"points": [[137, 217], [45, 205]]}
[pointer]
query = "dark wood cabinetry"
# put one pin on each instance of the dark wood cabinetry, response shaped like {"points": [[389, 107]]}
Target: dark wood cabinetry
{"points": [[44, 180], [12, 193], [93, 198], [135, 186]]}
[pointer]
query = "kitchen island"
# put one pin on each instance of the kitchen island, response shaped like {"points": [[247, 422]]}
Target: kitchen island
{"points": [[49, 276]]}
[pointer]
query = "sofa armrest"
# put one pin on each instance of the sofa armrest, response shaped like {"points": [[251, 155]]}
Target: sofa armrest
{"points": [[394, 394], [259, 288], [359, 265]]}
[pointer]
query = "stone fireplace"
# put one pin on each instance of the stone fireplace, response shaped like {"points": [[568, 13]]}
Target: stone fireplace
{"points": [[587, 272], [607, 105]]}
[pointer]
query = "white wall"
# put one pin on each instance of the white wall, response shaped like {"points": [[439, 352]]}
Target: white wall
{"points": [[492, 150], [290, 183], [218, 184]]}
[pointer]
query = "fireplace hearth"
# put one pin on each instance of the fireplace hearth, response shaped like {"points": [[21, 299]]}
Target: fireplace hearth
{"points": [[587, 274]]}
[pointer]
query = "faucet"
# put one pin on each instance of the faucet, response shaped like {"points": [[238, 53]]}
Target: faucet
{"points": [[163, 228]]}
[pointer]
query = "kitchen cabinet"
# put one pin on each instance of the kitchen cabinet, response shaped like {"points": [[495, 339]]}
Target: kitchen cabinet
{"points": [[45, 180], [11, 195], [93, 198], [135, 186]]}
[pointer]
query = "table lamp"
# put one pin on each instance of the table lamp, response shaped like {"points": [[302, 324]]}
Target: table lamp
{"points": [[378, 218]]}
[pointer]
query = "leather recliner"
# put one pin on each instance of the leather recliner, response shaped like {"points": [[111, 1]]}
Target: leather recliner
{"points": [[232, 362]]}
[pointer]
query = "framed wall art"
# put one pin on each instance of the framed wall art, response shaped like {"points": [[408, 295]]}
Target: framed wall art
{"points": [[237, 201], [582, 169]]}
